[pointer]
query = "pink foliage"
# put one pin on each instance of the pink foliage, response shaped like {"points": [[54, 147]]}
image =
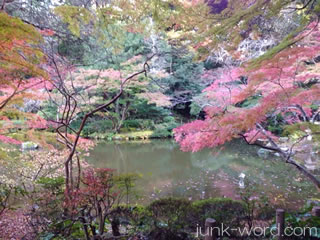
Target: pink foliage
{"points": [[255, 134], [38, 123], [9, 140], [281, 84]]}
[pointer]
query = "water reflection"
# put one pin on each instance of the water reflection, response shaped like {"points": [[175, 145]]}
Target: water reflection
{"points": [[167, 171]]}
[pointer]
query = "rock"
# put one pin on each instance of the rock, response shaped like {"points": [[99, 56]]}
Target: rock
{"points": [[283, 139], [263, 153], [29, 146], [308, 131], [269, 144], [117, 138]]}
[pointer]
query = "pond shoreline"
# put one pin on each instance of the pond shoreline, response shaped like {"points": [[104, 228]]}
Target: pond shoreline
{"points": [[166, 171]]}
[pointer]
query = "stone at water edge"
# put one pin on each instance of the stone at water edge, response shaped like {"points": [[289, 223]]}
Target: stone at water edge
{"points": [[263, 153]]}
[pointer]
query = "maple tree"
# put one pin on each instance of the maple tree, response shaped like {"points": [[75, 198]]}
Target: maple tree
{"points": [[21, 68], [96, 54], [19, 60], [286, 84]]}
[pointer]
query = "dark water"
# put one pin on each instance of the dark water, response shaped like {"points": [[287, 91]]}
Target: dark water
{"points": [[164, 170]]}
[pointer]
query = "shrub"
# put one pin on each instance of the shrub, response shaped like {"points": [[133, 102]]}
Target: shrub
{"points": [[47, 198], [94, 126], [138, 217], [169, 218], [164, 130], [161, 133], [223, 210], [131, 123], [5, 192]]}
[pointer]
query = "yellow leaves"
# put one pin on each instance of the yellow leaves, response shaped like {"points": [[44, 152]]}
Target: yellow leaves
{"points": [[13, 29], [302, 11], [74, 16], [174, 34]]}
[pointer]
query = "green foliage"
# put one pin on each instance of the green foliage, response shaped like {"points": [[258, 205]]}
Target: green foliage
{"points": [[5, 192], [223, 210], [195, 109], [74, 16], [276, 124], [161, 133], [12, 114], [137, 216], [94, 126], [134, 123], [185, 72], [49, 111], [73, 48], [54, 185], [164, 130], [143, 110], [250, 102], [303, 223], [126, 184], [298, 130], [47, 199], [169, 217], [256, 206], [7, 195]]}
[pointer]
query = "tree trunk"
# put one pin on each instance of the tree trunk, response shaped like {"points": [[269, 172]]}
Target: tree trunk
{"points": [[115, 224]]}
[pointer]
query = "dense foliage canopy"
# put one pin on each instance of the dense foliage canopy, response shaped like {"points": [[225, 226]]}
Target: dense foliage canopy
{"points": [[205, 72]]}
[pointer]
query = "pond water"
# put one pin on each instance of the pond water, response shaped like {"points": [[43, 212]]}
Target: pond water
{"points": [[164, 170]]}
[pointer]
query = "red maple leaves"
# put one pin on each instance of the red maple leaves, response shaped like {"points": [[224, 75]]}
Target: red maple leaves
{"points": [[287, 84]]}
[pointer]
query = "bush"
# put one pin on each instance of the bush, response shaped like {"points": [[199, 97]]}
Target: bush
{"points": [[146, 123], [164, 130], [94, 126], [276, 124], [46, 214], [223, 210], [161, 133], [169, 218], [13, 114], [131, 123], [138, 217]]}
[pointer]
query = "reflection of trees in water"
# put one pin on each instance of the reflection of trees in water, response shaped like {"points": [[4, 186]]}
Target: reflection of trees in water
{"points": [[122, 163], [165, 167]]}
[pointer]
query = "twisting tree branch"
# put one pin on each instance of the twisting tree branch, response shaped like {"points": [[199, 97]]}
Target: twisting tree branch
{"points": [[68, 162], [286, 155]]}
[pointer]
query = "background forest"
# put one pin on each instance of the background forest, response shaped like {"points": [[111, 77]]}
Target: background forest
{"points": [[204, 72]]}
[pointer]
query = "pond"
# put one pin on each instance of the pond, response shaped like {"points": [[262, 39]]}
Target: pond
{"points": [[164, 170]]}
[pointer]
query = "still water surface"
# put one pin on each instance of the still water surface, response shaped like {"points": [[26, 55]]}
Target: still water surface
{"points": [[164, 170]]}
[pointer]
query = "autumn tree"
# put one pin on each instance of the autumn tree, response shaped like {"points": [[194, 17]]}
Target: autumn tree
{"points": [[242, 99], [20, 59]]}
